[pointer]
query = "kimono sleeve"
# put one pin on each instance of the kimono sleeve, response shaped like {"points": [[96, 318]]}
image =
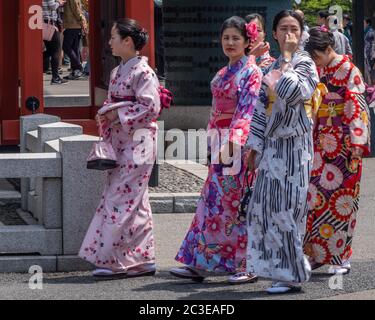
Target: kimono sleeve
{"points": [[146, 109], [248, 95], [255, 140], [298, 82], [356, 113]]}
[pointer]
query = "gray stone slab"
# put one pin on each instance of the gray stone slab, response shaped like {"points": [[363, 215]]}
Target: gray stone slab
{"points": [[161, 203], [30, 123], [52, 146], [186, 203], [27, 217], [22, 264], [51, 203], [32, 141], [72, 263], [57, 130], [30, 165], [82, 190], [34, 206], [30, 239]]}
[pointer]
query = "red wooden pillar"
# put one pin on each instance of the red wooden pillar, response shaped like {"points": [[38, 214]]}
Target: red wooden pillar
{"points": [[9, 111], [143, 12], [30, 55]]}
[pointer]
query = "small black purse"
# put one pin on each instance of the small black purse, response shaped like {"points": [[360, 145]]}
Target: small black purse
{"points": [[246, 196]]}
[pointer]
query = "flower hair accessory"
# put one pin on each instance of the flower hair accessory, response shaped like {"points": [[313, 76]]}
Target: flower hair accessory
{"points": [[323, 28], [252, 31]]}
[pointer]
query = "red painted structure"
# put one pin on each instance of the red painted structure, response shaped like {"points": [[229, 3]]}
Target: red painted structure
{"points": [[21, 61]]}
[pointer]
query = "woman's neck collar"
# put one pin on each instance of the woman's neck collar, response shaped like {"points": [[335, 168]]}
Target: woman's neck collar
{"points": [[125, 59], [235, 61]]}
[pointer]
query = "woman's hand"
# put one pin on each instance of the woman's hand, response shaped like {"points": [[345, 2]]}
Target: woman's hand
{"points": [[260, 49], [357, 151], [290, 45], [251, 160], [99, 119], [112, 116]]}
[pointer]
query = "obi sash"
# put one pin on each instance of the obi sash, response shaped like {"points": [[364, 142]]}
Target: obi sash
{"points": [[224, 111], [125, 98]]}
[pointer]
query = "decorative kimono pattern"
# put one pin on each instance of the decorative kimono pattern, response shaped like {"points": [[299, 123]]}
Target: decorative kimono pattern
{"points": [[121, 233], [281, 133], [217, 240], [342, 123], [264, 61]]}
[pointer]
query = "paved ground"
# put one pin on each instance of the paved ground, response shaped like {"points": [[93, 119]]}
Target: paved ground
{"points": [[169, 231]]}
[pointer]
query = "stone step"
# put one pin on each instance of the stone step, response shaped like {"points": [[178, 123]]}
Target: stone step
{"points": [[174, 202], [30, 239], [66, 100], [22, 264], [52, 263]]}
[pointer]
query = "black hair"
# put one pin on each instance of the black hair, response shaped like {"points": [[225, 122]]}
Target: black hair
{"points": [[131, 28], [319, 40], [284, 14], [324, 14], [346, 17], [368, 21], [237, 23], [253, 16]]}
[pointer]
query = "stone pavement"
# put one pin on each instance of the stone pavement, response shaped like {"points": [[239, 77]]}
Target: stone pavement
{"points": [[169, 232]]}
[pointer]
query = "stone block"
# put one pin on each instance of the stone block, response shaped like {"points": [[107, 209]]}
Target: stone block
{"points": [[161, 202], [30, 239], [32, 142], [185, 202], [81, 190], [30, 123], [31, 165], [51, 203], [22, 264], [57, 130]]}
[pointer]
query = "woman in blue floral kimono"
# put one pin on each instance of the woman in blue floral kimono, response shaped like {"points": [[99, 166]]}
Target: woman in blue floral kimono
{"points": [[217, 239]]}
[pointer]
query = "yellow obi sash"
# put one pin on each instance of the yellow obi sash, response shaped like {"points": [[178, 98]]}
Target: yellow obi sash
{"points": [[312, 106]]}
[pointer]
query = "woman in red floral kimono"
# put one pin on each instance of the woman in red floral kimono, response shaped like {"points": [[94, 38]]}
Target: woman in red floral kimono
{"points": [[341, 139]]}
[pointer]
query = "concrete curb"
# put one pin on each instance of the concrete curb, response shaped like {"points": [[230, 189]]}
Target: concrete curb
{"points": [[174, 202]]}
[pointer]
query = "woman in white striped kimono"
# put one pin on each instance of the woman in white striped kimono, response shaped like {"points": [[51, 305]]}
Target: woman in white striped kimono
{"points": [[281, 142]]}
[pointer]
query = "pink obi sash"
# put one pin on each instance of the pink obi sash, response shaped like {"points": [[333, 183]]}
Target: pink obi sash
{"points": [[223, 112]]}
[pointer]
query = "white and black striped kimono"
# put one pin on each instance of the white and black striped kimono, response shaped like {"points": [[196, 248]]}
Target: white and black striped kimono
{"points": [[281, 133]]}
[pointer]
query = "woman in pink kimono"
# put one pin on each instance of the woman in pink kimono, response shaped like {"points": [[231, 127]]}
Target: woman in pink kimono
{"points": [[120, 238], [217, 238]]}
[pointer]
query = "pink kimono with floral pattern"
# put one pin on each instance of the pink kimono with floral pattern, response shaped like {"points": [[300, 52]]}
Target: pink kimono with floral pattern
{"points": [[121, 233]]}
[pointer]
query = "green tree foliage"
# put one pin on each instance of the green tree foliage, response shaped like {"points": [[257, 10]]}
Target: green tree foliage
{"points": [[312, 7]]}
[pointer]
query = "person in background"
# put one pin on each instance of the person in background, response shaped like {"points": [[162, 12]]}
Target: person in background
{"points": [[52, 51], [305, 33], [259, 47], [369, 52], [348, 28], [342, 44], [75, 25]]}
